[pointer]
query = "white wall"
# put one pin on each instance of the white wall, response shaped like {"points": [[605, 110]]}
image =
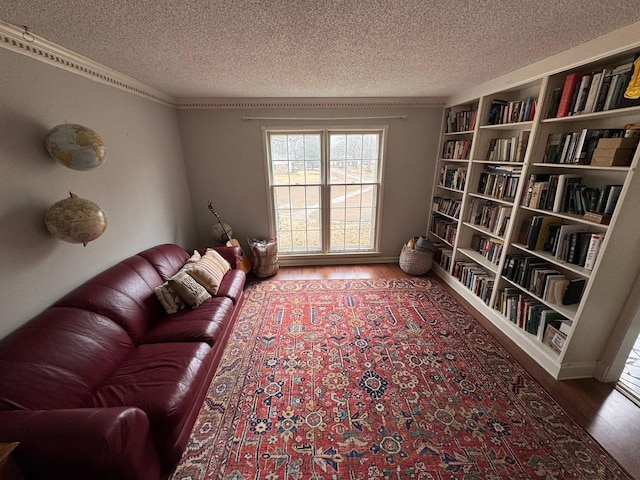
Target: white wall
{"points": [[225, 160], [142, 187]]}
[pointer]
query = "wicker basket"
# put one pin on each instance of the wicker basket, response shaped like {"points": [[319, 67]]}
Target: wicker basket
{"points": [[264, 257], [415, 262]]}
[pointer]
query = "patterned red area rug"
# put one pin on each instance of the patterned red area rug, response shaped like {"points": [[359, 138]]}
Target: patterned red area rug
{"points": [[377, 379]]}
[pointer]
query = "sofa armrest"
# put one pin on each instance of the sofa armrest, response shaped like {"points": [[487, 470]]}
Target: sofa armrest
{"points": [[82, 443]]}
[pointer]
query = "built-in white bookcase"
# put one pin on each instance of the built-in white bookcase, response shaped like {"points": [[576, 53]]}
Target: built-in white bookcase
{"points": [[485, 277]]}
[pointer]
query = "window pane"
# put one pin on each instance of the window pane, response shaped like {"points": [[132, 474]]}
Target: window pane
{"points": [[295, 159], [352, 221], [353, 158], [297, 213]]}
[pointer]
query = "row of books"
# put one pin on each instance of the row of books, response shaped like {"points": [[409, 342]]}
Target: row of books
{"points": [[499, 181], [577, 147], [567, 193], [452, 176], [592, 92], [456, 149], [490, 248], [448, 206], [461, 118], [444, 258], [529, 314], [570, 243], [540, 278], [475, 278], [503, 111], [490, 215], [445, 229], [511, 149]]}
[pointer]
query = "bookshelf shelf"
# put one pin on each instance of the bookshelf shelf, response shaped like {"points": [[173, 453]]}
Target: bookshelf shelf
{"points": [[603, 287], [478, 258], [566, 216], [483, 230], [450, 189], [437, 212], [571, 166], [552, 259], [508, 126], [454, 134], [454, 160], [569, 311], [618, 112]]}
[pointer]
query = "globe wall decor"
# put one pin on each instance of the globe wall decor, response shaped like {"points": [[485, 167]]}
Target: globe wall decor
{"points": [[75, 220], [76, 147]]}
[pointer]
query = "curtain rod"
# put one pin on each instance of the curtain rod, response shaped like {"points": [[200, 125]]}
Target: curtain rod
{"points": [[390, 117]]}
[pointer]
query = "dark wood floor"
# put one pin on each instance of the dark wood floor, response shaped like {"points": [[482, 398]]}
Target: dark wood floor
{"points": [[611, 418]]}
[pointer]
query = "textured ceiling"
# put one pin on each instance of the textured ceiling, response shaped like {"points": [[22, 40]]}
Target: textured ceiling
{"points": [[317, 48]]}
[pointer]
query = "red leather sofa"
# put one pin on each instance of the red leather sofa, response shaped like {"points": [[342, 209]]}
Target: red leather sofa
{"points": [[104, 384]]}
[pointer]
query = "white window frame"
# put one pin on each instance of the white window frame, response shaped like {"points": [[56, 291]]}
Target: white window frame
{"points": [[301, 258]]}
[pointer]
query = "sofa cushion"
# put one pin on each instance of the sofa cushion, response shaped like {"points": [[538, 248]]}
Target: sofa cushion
{"points": [[205, 324], [162, 379], [124, 293], [59, 358], [232, 285], [167, 259]]}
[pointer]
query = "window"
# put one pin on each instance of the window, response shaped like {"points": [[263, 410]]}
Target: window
{"points": [[325, 189]]}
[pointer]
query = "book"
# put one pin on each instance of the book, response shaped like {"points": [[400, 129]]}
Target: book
{"points": [[612, 199], [534, 230], [542, 233], [563, 180], [554, 338], [553, 148], [574, 291], [521, 145], [594, 248], [583, 242], [554, 102], [590, 103], [582, 90], [496, 112], [570, 85], [604, 90], [553, 318], [565, 230], [557, 290]]}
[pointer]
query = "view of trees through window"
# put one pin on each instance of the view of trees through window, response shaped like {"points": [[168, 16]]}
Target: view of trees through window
{"points": [[325, 188]]}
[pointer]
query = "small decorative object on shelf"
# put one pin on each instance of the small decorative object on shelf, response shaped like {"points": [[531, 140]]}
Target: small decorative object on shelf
{"points": [[75, 220], [76, 147]]}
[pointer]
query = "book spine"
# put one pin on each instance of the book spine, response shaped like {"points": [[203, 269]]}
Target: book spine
{"points": [[567, 94], [594, 249]]}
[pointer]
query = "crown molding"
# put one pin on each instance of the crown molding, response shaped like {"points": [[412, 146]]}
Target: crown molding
{"points": [[284, 102], [20, 41]]}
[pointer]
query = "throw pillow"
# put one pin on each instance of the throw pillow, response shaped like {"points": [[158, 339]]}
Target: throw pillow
{"points": [[210, 270], [189, 290], [169, 299], [195, 257]]}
